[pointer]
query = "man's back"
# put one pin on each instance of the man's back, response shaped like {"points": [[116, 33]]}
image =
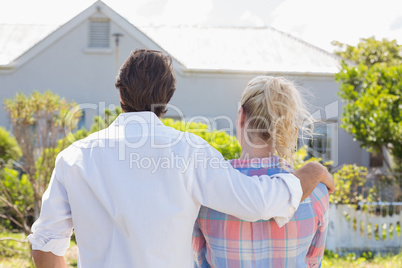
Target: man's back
{"points": [[127, 205]]}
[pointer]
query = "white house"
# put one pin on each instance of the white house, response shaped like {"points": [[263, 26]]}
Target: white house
{"points": [[80, 59]]}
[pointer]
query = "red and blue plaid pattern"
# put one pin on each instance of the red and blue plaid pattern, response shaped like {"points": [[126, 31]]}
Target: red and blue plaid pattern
{"points": [[221, 240]]}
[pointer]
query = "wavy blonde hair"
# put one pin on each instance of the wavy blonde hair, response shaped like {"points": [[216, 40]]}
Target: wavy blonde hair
{"points": [[275, 111]]}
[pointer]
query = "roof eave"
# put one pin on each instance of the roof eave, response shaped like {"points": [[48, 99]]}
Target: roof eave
{"points": [[7, 67], [191, 71]]}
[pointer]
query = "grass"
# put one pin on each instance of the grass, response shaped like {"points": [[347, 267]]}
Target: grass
{"points": [[17, 254], [366, 260]]}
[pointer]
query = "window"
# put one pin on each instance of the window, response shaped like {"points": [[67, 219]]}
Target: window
{"points": [[324, 143], [99, 33]]}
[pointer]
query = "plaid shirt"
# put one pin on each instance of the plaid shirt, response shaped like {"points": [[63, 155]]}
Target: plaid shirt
{"points": [[221, 240]]}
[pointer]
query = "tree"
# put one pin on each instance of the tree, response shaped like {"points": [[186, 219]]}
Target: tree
{"points": [[371, 85], [370, 51], [39, 121]]}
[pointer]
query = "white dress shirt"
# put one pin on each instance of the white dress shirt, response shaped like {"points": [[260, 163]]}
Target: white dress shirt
{"points": [[132, 193]]}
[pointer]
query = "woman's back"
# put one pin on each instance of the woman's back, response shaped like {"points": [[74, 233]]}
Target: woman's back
{"points": [[221, 240]]}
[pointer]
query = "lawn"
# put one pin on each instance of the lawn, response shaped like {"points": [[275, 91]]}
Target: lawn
{"points": [[16, 254], [367, 260]]}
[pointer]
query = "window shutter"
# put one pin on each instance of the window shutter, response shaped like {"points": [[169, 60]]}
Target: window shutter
{"points": [[99, 34]]}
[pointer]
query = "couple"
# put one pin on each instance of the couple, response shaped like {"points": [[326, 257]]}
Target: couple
{"points": [[127, 214]]}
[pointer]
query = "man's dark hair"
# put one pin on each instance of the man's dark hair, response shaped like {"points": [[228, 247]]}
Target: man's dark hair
{"points": [[146, 82]]}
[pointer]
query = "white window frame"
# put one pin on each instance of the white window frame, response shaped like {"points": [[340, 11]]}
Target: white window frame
{"points": [[331, 150]]}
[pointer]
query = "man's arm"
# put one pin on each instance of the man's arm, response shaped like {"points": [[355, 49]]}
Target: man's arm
{"points": [[214, 183], [310, 175], [48, 260], [225, 189], [51, 232]]}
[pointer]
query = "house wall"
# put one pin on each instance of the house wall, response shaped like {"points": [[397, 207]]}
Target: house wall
{"points": [[66, 68], [214, 95]]}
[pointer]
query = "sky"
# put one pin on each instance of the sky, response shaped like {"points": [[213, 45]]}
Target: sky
{"points": [[318, 22]]}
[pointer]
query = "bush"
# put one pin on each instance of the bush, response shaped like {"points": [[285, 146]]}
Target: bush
{"points": [[9, 148], [39, 120], [301, 158], [16, 206], [227, 145], [349, 186]]}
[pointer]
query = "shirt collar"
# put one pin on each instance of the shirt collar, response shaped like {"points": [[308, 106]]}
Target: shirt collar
{"points": [[147, 118]]}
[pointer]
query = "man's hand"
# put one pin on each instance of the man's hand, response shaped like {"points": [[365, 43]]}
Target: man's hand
{"points": [[310, 175], [48, 259]]}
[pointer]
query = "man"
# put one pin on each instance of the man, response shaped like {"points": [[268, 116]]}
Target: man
{"points": [[132, 192]]}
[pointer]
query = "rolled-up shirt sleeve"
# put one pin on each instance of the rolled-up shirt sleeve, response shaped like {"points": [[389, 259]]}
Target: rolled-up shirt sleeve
{"points": [[225, 189], [51, 232]]}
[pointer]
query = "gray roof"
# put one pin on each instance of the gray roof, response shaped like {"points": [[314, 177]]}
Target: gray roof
{"points": [[262, 49], [241, 49]]}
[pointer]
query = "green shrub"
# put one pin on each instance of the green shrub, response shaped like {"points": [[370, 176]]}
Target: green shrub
{"points": [[301, 158], [226, 144], [103, 122], [349, 184], [9, 148], [20, 195]]}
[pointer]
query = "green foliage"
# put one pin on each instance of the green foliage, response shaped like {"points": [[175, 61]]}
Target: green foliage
{"points": [[71, 138], [227, 145], [301, 158], [13, 247], [31, 109], [372, 93], [9, 148], [19, 194], [371, 51], [366, 259], [103, 122], [349, 186], [39, 120], [373, 109]]}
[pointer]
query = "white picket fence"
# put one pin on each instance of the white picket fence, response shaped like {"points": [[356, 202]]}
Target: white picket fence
{"points": [[351, 230]]}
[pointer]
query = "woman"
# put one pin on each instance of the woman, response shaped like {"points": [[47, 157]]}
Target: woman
{"points": [[271, 116]]}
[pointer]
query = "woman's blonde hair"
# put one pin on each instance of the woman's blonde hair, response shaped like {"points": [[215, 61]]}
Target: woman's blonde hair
{"points": [[275, 111]]}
